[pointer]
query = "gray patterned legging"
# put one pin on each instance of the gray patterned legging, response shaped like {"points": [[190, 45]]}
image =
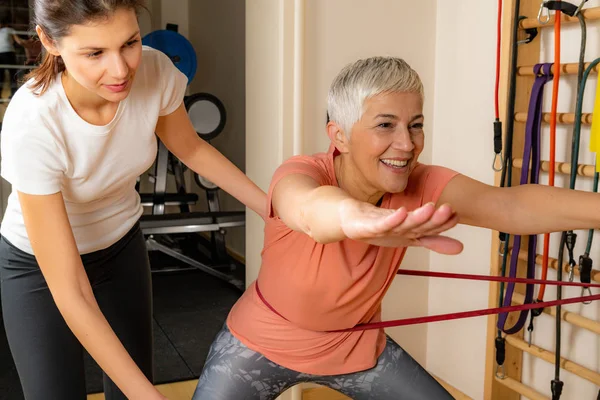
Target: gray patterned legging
{"points": [[234, 372]]}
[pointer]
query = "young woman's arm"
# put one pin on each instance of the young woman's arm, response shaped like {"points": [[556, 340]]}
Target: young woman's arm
{"points": [[177, 133], [54, 247]]}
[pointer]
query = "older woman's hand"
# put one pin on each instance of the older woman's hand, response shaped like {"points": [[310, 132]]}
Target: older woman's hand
{"points": [[400, 228]]}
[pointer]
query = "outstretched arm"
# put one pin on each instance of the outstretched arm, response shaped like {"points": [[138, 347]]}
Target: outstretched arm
{"points": [[521, 210], [177, 133], [328, 214]]}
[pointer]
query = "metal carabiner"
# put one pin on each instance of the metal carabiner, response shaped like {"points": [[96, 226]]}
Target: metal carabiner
{"points": [[501, 247], [495, 162], [571, 272], [579, 8], [589, 293], [541, 12], [498, 369]]}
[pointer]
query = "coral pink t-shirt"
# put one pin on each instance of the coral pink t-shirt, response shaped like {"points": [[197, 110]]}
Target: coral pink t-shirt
{"points": [[323, 287]]}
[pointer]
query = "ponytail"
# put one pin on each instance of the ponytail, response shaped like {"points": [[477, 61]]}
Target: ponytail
{"points": [[44, 74]]}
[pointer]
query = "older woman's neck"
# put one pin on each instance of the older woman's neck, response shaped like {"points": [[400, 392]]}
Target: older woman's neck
{"points": [[352, 181]]}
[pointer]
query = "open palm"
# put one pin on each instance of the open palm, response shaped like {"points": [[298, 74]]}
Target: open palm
{"points": [[400, 228]]}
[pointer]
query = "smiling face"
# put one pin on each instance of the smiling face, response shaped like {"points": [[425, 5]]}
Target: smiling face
{"points": [[383, 146], [102, 56]]}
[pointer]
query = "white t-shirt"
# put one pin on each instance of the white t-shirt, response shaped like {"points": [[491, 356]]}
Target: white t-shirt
{"points": [[6, 40], [47, 147]]}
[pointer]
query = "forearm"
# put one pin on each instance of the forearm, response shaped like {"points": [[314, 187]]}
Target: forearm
{"points": [[84, 318], [319, 213], [535, 209], [211, 164]]}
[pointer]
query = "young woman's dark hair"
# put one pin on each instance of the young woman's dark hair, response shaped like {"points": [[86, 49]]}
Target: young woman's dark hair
{"points": [[55, 18]]}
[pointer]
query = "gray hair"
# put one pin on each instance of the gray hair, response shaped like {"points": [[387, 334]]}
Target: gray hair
{"points": [[366, 78]]}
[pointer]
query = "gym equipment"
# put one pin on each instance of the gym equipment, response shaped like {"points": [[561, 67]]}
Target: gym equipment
{"points": [[177, 234], [176, 47], [207, 114]]}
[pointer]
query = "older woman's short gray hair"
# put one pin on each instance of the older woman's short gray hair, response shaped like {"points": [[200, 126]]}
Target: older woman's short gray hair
{"points": [[366, 78]]}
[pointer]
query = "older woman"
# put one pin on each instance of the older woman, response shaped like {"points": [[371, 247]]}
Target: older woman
{"points": [[337, 229]]}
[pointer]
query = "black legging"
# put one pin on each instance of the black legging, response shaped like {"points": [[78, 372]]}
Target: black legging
{"points": [[234, 372], [48, 356]]}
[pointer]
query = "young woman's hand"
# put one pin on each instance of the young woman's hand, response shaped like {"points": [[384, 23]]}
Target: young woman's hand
{"points": [[400, 228]]}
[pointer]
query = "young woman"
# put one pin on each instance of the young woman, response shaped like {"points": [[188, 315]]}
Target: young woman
{"points": [[338, 226], [75, 137]]}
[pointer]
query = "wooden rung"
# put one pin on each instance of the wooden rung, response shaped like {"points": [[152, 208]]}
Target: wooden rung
{"points": [[565, 69], [589, 14], [561, 167], [572, 318], [522, 389], [549, 356], [553, 263], [561, 118]]}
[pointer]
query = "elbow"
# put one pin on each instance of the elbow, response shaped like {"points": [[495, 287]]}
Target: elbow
{"points": [[305, 223], [64, 299], [320, 239], [319, 236], [70, 297], [194, 156]]}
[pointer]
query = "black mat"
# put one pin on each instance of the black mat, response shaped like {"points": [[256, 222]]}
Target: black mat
{"points": [[189, 309]]}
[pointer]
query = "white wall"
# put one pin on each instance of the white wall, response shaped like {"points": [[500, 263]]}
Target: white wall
{"points": [[462, 139], [175, 12]]}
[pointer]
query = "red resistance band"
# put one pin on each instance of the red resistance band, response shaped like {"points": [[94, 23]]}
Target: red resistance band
{"points": [[465, 314]]}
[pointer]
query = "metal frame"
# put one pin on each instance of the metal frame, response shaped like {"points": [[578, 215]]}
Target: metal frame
{"points": [[154, 245], [160, 176], [185, 222]]}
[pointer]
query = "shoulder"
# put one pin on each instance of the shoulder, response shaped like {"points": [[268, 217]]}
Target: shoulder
{"points": [[427, 182], [318, 166], [155, 61], [151, 54], [32, 157], [32, 124], [158, 71], [30, 111], [427, 173]]}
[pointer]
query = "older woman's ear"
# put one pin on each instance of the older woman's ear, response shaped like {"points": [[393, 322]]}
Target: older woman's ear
{"points": [[337, 136]]}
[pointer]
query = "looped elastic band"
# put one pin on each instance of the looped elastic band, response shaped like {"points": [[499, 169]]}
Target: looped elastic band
{"points": [[531, 152], [464, 314]]}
